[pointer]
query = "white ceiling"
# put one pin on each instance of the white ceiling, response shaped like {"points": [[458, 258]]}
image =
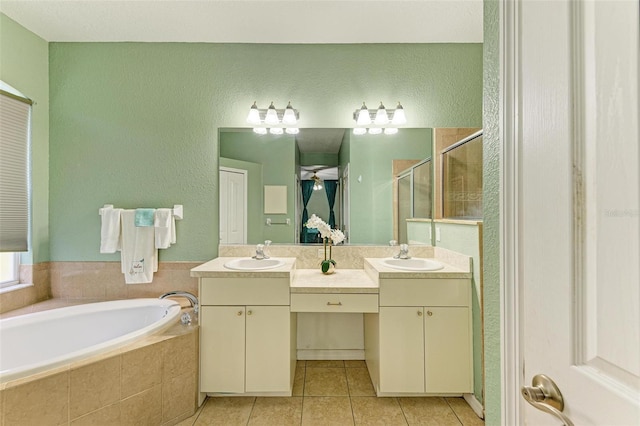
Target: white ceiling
{"points": [[251, 21]]}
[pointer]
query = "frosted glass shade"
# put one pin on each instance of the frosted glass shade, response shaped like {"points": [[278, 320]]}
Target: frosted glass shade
{"points": [[381, 115], [276, 130], [375, 131], [292, 130], [398, 116], [390, 131], [363, 117], [272, 115], [260, 130], [359, 131], [254, 115], [289, 115]]}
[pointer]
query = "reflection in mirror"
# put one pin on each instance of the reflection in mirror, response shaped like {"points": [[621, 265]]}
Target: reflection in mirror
{"points": [[362, 167]]}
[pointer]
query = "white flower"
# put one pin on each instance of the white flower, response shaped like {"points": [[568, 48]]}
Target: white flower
{"points": [[337, 236], [325, 230]]}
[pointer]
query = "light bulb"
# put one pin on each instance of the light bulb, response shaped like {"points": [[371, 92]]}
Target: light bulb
{"points": [[260, 130], [276, 130], [292, 130], [254, 115], [381, 115], [398, 116], [289, 115], [359, 131], [272, 115], [390, 130], [375, 130], [363, 116]]}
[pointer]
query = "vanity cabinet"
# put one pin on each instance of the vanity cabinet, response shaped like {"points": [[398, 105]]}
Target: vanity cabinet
{"points": [[421, 341], [247, 336]]}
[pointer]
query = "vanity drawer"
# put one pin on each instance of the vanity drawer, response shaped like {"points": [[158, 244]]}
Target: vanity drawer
{"points": [[244, 291], [334, 302], [425, 292]]}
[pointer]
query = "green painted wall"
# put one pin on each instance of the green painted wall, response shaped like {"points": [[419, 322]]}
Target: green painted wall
{"points": [[491, 213], [276, 154], [255, 225], [372, 196], [135, 124], [24, 65], [465, 239]]}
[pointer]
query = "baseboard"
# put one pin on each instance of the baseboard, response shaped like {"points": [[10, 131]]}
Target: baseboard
{"points": [[475, 405], [330, 354]]}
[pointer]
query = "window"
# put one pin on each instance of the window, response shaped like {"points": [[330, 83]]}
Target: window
{"points": [[9, 269], [15, 111]]}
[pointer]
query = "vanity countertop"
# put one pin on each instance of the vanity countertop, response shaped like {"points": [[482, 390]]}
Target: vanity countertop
{"points": [[342, 281], [377, 270], [215, 269]]}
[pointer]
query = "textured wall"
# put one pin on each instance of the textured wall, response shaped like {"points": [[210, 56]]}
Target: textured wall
{"points": [[135, 124], [24, 65], [491, 214]]}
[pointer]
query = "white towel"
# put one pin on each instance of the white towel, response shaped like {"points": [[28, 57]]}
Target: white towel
{"points": [[110, 230], [138, 255], [165, 228]]}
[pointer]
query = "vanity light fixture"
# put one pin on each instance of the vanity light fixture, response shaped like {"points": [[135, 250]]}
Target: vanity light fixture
{"points": [[273, 120], [378, 120]]}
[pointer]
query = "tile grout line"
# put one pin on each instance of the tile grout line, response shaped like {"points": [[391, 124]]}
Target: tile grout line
{"points": [[255, 398], [453, 411]]}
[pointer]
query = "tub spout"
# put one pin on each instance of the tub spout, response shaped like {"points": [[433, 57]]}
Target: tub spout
{"points": [[191, 297]]}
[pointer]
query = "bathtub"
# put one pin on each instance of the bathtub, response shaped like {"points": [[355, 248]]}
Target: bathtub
{"points": [[36, 342]]}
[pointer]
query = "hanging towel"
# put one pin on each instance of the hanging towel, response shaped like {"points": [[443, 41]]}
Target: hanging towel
{"points": [[110, 230], [165, 228], [144, 217], [138, 254]]}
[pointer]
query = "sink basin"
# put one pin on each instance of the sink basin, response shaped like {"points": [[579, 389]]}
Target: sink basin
{"points": [[414, 264], [250, 264]]}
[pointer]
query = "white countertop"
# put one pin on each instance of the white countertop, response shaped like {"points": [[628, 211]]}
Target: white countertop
{"points": [[215, 269], [378, 270]]}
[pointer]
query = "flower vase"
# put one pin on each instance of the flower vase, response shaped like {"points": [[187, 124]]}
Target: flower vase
{"points": [[328, 265]]}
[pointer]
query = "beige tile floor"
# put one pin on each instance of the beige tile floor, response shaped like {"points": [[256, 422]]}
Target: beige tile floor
{"points": [[333, 393]]}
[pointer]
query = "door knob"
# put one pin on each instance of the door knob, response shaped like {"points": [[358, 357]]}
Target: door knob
{"points": [[545, 395]]}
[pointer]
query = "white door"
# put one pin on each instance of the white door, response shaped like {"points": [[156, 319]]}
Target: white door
{"points": [[233, 205], [572, 208]]}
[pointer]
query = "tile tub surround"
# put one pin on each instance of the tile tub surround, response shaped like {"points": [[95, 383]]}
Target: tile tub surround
{"points": [[151, 381], [37, 274], [104, 281]]}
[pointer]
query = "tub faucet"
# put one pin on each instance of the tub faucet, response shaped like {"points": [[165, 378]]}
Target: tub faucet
{"points": [[191, 297], [404, 252]]}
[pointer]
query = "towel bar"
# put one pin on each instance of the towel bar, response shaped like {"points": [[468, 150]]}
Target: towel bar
{"points": [[178, 211]]}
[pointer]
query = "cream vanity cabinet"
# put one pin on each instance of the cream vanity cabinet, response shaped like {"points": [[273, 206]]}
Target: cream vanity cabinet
{"points": [[247, 337], [421, 341]]}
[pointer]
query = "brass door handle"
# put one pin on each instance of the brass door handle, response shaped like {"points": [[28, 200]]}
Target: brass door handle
{"points": [[545, 395]]}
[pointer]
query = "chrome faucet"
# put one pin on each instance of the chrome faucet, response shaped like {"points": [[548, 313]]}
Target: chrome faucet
{"points": [[186, 318], [260, 248], [404, 252]]}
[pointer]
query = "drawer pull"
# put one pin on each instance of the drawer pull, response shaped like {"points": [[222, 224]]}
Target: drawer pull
{"points": [[419, 313], [430, 313], [334, 304], [239, 313], [249, 312]]}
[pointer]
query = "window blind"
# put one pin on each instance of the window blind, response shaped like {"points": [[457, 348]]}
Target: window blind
{"points": [[14, 178]]}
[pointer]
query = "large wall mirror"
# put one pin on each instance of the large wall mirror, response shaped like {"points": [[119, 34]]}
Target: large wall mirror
{"points": [[353, 175], [376, 188]]}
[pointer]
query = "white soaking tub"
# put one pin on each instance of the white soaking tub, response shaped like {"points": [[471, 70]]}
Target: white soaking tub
{"points": [[36, 342]]}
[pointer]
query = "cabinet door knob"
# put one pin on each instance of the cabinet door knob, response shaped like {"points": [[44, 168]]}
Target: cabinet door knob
{"points": [[239, 313], [249, 312], [430, 313], [419, 313]]}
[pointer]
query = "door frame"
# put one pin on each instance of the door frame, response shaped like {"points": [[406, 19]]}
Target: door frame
{"points": [[511, 287]]}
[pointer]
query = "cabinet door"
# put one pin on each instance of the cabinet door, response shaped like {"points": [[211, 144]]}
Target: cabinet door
{"points": [[222, 348], [268, 351], [448, 360], [401, 349]]}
